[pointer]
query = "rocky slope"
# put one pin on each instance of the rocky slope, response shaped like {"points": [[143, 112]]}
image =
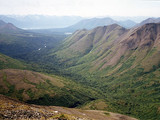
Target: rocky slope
{"points": [[106, 46], [12, 109]]}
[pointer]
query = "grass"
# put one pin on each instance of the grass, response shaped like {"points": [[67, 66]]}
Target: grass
{"points": [[106, 113]]}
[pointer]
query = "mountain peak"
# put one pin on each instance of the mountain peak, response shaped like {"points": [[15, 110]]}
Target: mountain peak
{"points": [[109, 27], [9, 28], [150, 20]]}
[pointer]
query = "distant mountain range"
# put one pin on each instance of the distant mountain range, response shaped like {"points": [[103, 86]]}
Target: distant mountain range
{"points": [[95, 22], [88, 24], [150, 20], [40, 21]]}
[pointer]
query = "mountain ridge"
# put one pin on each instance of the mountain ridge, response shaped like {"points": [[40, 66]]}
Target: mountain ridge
{"points": [[126, 62]]}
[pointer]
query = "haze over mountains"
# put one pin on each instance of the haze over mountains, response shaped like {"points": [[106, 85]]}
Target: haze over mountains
{"points": [[44, 22], [95, 22], [104, 64], [40, 21]]}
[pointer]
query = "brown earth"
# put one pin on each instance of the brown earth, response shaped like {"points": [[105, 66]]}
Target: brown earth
{"points": [[13, 109], [27, 80]]}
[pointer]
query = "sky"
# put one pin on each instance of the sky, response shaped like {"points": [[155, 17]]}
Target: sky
{"points": [[84, 8]]}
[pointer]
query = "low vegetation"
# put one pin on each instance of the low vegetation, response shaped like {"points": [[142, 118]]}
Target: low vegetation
{"points": [[107, 68]]}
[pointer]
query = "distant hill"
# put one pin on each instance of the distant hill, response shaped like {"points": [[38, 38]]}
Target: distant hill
{"points": [[40, 21], [95, 22], [92, 23], [9, 28], [89, 24], [127, 23], [149, 20]]}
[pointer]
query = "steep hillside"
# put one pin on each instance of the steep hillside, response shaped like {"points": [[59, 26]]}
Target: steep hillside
{"points": [[107, 45], [12, 109], [124, 64], [38, 88], [85, 42]]}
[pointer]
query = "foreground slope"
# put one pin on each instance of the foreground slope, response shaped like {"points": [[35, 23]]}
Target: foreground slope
{"points": [[124, 64], [37, 88], [12, 109]]}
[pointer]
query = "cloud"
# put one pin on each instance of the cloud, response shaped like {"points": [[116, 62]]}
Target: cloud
{"points": [[82, 7]]}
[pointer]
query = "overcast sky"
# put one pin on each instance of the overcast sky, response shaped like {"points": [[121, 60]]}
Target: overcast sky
{"points": [[85, 8]]}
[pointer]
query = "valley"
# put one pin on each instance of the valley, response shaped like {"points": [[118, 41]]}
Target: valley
{"points": [[105, 68]]}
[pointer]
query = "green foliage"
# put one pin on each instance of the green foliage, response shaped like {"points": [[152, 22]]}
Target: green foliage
{"points": [[127, 64], [30, 93], [8, 62], [106, 113]]}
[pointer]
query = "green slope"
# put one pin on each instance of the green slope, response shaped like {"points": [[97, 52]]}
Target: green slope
{"points": [[8, 62], [124, 64], [91, 43], [38, 88]]}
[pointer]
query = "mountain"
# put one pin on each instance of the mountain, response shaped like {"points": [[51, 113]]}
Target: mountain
{"points": [[10, 28], [40, 21], [88, 24], [84, 42], [127, 23], [95, 22], [99, 41], [150, 20], [123, 63], [92, 23]]}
